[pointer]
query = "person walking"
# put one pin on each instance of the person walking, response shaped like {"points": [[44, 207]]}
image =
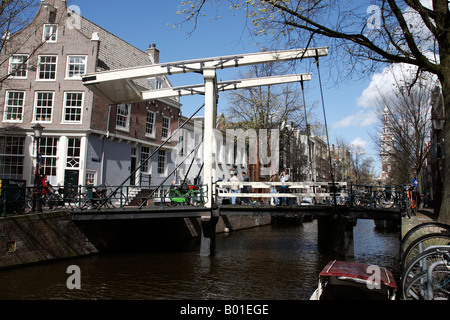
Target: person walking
{"points": [[37, 192], [273, 189], [284, 189], [245, 188], [234, 187]]}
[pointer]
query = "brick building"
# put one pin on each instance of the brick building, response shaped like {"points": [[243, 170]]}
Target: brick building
{"points": [[84, 137]]}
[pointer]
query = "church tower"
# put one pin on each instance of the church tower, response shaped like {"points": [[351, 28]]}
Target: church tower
{"points": [[386, 147]]}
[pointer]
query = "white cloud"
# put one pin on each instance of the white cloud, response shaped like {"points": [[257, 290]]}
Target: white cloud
{"points": [[361, 119], [358, 142]]}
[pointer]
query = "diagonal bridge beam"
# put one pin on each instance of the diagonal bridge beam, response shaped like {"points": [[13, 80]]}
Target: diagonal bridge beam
{"points": [[224, 86], [118, 86]]}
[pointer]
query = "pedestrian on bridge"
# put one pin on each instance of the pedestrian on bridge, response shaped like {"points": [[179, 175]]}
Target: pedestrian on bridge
{"points": [[273, 189], [234, 186], [284, 177], [245, 188]]}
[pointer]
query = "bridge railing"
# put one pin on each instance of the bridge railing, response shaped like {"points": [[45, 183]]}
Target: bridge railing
{"points": [[321, 192], [382, 196]]}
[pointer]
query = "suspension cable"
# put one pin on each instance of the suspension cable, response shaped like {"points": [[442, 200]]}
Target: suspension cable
{"points": [[151, 155], [326, 127], [308, 143], [156, 189]]}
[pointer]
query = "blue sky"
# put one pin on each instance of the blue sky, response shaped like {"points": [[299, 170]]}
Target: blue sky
{"points": [[142, 23]]}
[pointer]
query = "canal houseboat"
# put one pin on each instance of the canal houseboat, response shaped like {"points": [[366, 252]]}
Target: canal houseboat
{"points": [[342, 280]]}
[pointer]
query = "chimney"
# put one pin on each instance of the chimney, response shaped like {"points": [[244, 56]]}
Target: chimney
{"points": [[153, 53]]}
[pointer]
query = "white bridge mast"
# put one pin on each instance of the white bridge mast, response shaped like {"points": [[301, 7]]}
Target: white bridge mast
{"points": [[117, 86]]}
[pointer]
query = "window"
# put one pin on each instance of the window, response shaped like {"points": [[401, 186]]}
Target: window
{"points": [[73, 106], [165, 127], [18, 66], [14, 106], [145, 153], [150, 126], [11, 157], [43, 106], [47, 68], [73, 153], [123, 116], [161, 161], [91, 177], [76, 66], [49, 34], [48, 150], [158, 84]]}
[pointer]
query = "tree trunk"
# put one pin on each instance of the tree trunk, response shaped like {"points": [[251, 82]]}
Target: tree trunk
{"points": [[444, 214]]}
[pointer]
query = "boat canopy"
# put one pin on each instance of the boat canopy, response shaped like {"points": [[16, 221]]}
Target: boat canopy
{"points": [[354, 271]]}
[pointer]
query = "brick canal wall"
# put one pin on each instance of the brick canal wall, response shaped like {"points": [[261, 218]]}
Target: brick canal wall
{"points": [[41, 237]]}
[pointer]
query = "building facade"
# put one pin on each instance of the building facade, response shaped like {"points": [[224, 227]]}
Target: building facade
{"points": [[84, 138]]}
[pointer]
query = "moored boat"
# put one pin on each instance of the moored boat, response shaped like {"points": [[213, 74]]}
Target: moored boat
{"points": [[342, 280]]}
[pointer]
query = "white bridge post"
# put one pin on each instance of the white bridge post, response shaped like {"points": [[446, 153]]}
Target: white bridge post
{"points": [[209, 157]]}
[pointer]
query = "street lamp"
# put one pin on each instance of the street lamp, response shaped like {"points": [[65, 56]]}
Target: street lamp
{"points": [[37, 128], [37, 204]]}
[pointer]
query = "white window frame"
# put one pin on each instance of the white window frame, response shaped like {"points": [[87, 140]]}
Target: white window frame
{"points": [[91, 175], [164, 128], [12, 157], [76, 75], [74, 153], [127, 117], [150, 134], [40, 64], [49, 163], [36, 107], [50, 33], [162, 154], [66, 107], [8, 107], [23, 68], [147, 167]]}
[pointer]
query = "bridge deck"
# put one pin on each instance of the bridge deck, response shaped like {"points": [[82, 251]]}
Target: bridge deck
{"points": [[129, 213]]}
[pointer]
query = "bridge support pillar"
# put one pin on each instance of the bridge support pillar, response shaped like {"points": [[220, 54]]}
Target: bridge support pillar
{"points": [[208, 234], [336, 234]]}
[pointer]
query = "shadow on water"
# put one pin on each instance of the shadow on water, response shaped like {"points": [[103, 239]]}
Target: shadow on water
{"points": [[270, 262]]}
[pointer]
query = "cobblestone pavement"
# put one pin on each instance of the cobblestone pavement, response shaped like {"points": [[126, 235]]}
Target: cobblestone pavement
{"points": [[422, 216]]}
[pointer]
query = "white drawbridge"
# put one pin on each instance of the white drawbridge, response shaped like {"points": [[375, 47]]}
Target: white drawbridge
{"points": [[119, 86]]}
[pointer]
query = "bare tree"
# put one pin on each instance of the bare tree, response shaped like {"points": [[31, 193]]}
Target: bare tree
{"points": [[406, 111], [362, 34], [15, 15], [272, 107]]}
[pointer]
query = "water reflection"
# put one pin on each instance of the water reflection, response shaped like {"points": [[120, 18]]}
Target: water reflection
{"points": [[271, 262]]}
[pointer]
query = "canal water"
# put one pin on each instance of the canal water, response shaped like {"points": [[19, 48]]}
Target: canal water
{"points": [[264, 263]]}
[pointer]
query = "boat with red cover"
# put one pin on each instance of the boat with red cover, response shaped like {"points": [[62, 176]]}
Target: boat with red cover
{"points": [[342, 280]]}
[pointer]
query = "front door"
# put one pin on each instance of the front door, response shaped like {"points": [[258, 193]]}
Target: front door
{"points": [[70, 181], [133, 166]]}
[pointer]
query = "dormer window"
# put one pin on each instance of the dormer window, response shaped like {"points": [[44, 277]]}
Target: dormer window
{"points": [[49, 34]]}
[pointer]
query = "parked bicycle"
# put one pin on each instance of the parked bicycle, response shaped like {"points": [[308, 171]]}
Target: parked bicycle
{"points": [[412, 198], [426, 262], [185, 195]]}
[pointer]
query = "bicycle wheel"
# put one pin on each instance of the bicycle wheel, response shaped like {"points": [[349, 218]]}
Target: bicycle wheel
{"points": [[420, 230], [28, 204], [118, 199], [422, 262], [422, 243], [418, 288], [384, 201]]}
